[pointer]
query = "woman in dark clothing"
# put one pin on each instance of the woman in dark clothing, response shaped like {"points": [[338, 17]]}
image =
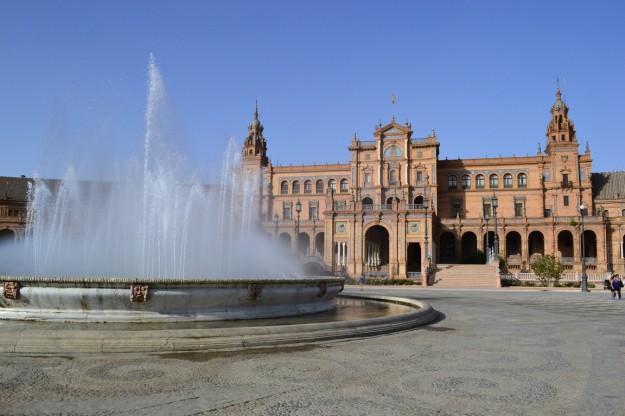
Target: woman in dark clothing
{"points": [[617, 284]]}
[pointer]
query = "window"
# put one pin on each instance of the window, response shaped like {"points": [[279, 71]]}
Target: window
{"points": [[623, 213], [313, 213], [367, 179], [565, 179], [392, 177], [547, 212], [456, 209], [507, 180], [319, 187], [344, 187], [452, 182], [286, 211], [284, 188], [466, 182], [494, 181], [307, 187], [419, 176], [518, 209], [522, 180], [295, 187], [479, 181], [392, 151], [332, 184], [486, 210], [367, 203], [565, 200]]}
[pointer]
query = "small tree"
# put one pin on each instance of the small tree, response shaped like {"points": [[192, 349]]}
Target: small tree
{"points": [[548, 269]]}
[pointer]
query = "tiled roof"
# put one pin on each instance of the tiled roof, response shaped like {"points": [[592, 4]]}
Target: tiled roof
{"points": [[608, 185]]}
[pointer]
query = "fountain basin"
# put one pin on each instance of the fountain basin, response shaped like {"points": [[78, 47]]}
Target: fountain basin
{"points": [[155, 300]]}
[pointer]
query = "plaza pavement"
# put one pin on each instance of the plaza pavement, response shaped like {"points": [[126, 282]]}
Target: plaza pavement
{"points": [[495, 352]]}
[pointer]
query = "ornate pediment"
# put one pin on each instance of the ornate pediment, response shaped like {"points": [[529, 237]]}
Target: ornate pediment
{"points": [[394, 130]]}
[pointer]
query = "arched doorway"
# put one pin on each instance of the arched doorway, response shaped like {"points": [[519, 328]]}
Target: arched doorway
{"points": [[447, 247], [418, 200], [535, 245], [565, 244], [469, 247], [285, 240], [6, 236], [590, 244], [303, 244], [319, 244], [391, 200], [413, 258], [513, 244], [376, 249]]}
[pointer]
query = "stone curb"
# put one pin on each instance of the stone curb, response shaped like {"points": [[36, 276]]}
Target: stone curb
{"points": [[214, 339]]}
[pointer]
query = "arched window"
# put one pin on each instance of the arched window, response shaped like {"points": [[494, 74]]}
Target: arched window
{"points": [[494, 181], [392, 177], [507, 180], [295, 187], [452, 182], [319, 187], [466, 182], [344, 185], [522, 180], [332, 184], [418, 200], [479, 181], [392, 151], [307, 187], [284, 187], [367, 203]]}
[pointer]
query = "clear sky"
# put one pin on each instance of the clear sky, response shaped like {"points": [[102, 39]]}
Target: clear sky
{"points": [[483, 73]]}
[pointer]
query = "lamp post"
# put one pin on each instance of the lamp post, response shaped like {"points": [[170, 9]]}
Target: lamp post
{"points": [[314, 235], [584, 284], [495, 204], [298, 210], [486, 218], [427, 236], [275, 221]]}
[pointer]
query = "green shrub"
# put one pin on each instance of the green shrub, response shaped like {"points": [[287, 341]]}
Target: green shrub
{"points": [[548, 269]]}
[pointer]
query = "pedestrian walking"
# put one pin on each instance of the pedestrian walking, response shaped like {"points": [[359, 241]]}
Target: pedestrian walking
{"points": [[617, 284], [361, 280]]}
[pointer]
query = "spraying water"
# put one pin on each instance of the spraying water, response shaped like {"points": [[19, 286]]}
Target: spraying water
{"points": [[150, 221]]}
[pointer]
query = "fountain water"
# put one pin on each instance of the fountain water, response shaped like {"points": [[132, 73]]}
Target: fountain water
{"points": [[195, 246]]}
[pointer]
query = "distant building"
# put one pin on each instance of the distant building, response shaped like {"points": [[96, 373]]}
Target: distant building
{"points": [[396, 209]]}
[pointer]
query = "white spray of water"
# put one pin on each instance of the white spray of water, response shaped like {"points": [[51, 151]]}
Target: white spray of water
{"points": [[150, 221]]}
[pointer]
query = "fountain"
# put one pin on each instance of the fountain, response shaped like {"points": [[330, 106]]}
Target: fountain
{"points": [[153, 244], [156, 261]]}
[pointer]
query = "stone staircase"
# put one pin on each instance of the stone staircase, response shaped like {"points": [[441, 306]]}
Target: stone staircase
{"points": [[466, 275]]}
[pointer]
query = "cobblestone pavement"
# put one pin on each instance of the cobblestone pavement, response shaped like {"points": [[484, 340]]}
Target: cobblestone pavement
{"points": [[494, 353]]}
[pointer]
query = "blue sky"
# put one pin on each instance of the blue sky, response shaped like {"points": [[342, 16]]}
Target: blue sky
{"points": [[483, 73]]}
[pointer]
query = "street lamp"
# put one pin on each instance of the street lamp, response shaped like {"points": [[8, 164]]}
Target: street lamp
{"points": [[298, 209], [425, 206], [495, 204], [275, 221], [486, 218], [584, 284]]}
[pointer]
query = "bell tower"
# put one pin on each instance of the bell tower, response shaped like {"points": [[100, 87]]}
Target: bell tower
{"points": [[255, 145], [561, 130]]}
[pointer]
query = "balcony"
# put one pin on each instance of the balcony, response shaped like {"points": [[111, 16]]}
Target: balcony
{"points": [[566, 184], [413, 207]]}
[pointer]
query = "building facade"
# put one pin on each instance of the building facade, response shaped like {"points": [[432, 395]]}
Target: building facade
{"points": [[396, 210]]}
